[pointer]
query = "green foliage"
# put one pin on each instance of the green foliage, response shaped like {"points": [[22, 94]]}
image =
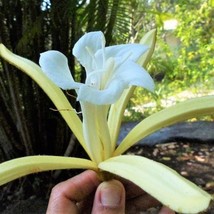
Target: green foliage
{"points": [[196, 51], [183, 59]]}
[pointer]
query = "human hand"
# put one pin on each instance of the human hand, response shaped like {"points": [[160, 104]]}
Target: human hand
{"points": [[85, 193]]}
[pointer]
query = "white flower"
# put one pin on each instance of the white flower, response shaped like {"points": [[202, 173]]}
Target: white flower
{"points": [[109, 70]]}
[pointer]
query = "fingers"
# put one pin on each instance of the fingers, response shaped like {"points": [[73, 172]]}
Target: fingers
{"points": [[109, 198], [141, 203], [166, 210], [65, 195], [76, 196], [137, 200]]}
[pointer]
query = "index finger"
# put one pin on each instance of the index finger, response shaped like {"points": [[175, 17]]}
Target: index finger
{"points": [[65, 194]]}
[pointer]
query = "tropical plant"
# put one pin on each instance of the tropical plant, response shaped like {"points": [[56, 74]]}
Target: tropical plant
{"points": [[108, 85]]}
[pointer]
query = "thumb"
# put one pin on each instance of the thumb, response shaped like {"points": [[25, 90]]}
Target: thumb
{"points": [[109, 198]]}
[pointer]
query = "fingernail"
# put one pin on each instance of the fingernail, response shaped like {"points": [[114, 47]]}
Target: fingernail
{"points": [[111, 194]]}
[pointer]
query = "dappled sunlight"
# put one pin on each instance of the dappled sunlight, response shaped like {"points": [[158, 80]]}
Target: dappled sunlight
{"points": [[147, 108]]}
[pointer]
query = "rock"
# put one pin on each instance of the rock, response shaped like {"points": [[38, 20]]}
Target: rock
{"points": [[199, 131]]}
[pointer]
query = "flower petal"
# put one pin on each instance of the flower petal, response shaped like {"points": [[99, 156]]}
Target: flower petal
{"points": [[129, 73], [158, 180], [132, 51], [133, 74], [101, 97], [55, 65], [86, 47]]}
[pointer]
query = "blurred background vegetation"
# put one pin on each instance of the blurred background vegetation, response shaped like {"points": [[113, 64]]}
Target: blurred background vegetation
{"points": [[182, 64]]}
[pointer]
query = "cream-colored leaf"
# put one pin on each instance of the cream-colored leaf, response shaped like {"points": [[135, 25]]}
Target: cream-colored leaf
{"points": [[117, 110], [180, 112], [116, 115], [19, 167], [149, 40], [160, 181], [54, 92]]}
